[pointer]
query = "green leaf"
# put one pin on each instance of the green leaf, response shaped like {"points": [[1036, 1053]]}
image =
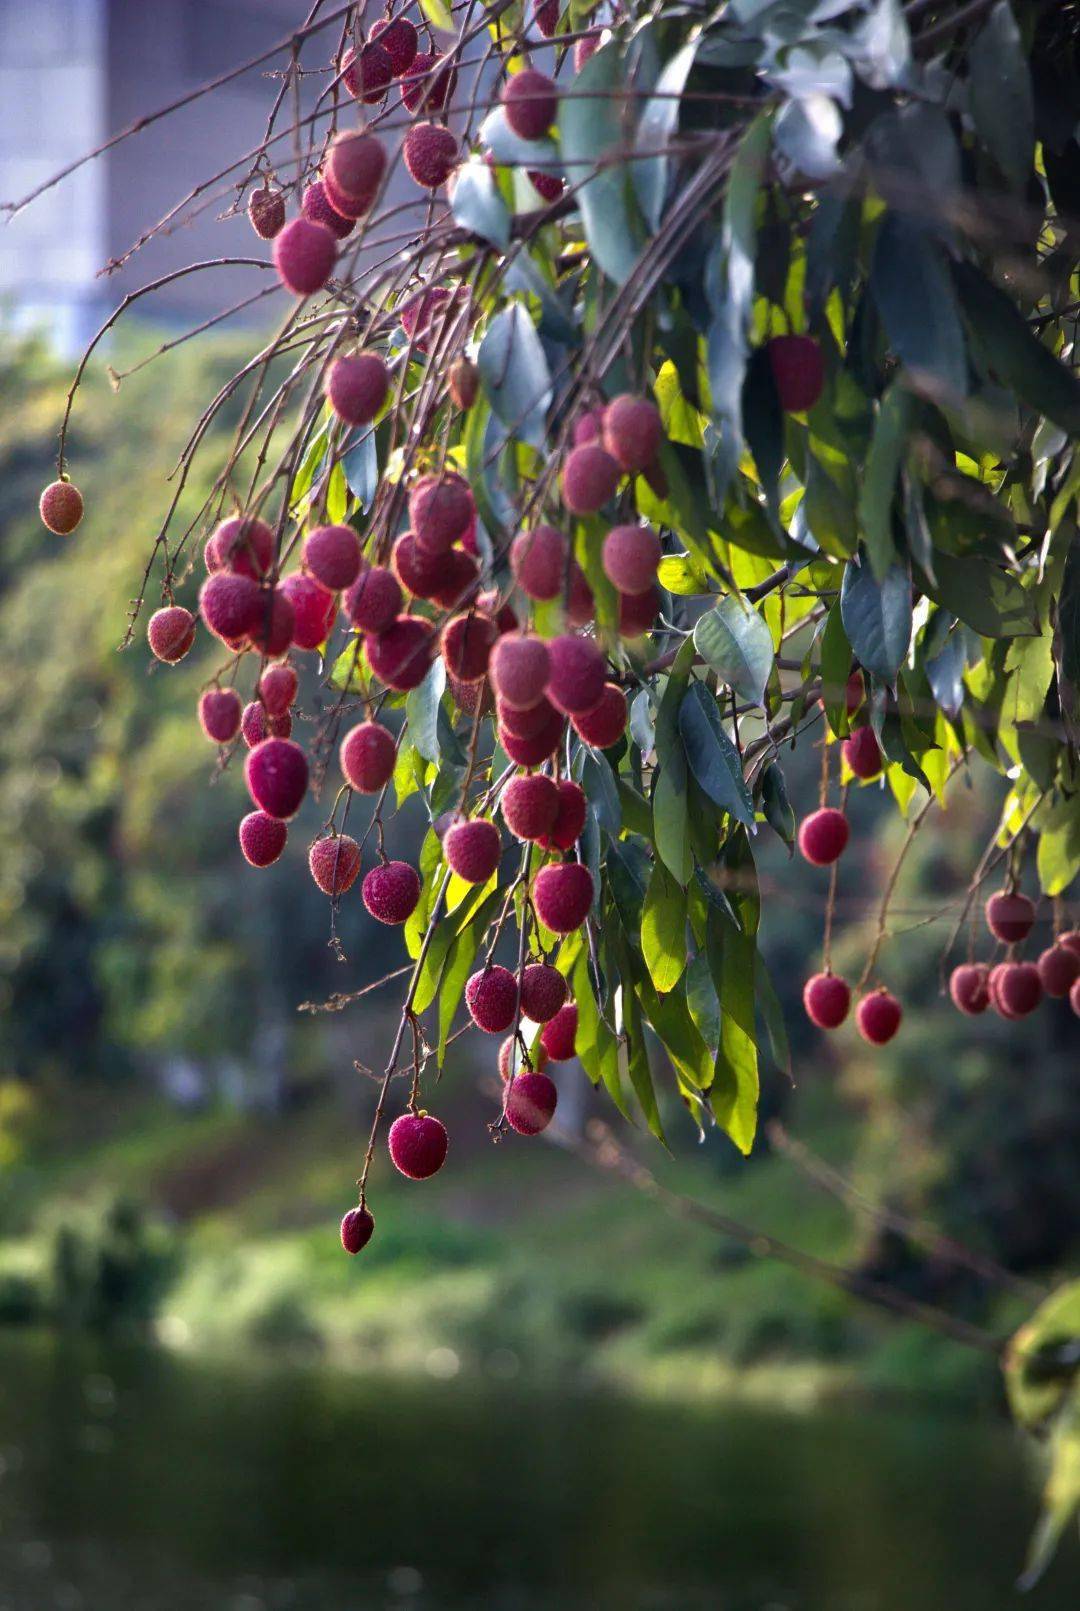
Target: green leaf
{"points": [[734, 1091], [999, 87], [1014, 353], [736, 642], [702, 1000], [835, 666], [669, 801], [681, 574], [515, 374], [595, 1044], [1068, 615], [830, 505], [887, 448], [658, 122], [422, 712], [598, 781], [877, 618], [1059, 847], [775, 803], [663, 929], [712, 756], [915, 297], [477, 205], [670, 1017], [360, 463], [773, 1014], [591, 141], [438, 14], [983, 596]]}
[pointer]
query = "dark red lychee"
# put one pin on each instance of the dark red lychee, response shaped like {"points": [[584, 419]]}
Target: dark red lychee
{"points": [[356, 1229], [862, 753], [401, 655], [467, 642], [274, 626], [558, 1037], [631, 557], [471, 697], [332, 555], [374, 600], [229, 605], [510, 1058], [276, 774], [854, 692], [1074, 998], [418, 1144], [368, 754], [61, 507], [367, 73], [877, 1017], [546, 17], [605, 724], [637, 612], [589, 427], [525, 723], [549, 185], [219, 717], [563, 897], [356, 387], [472, 850], [1018, 989], [632, 433], [519, 669], [314, 610], [823, 836], [798, 367], [277, 689], [577, 676], [538, 747], [589, 478], [530, 1103], [334, 863], [529, 806], [391, 891], [565, 831], [501, 613], [463, 382], [1010, 916], [440, 510], [1071, 940], [423, 316], [170, 633], [1058, 967], [244, 544], [398, 37], [354, 170], [580, 604], [316, 205], [827, 999], [430, 153], [262, 838], [530, 101], [584, 48], [538, 561], [304, 256], [256, 724], [543, 992], [266, 210], [429, 83], [491, 997], [969, 987]]}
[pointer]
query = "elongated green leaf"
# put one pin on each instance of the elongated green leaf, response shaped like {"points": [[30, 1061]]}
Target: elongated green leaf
{"points": [[422, 711], [712, 756], [670, 1017], [1014, 353], [835, 670], [595, 1044], [669, 801], [775, 803], [658, 122], [591, 141], [515, 374], [734, 1091], [887, 449], [983, 596], [877, 618], [736, 642], [1002, 104], [918, 307], [663, 929], [477, 205], [702, 1000]]}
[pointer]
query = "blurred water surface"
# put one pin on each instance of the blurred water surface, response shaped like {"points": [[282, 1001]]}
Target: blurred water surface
{"points": [[134, 1480]]}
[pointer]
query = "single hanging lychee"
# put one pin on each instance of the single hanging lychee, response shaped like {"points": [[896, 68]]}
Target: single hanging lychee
{"points": [[969, 987], [877, 1017], [823, 836], [356, 1229], [430, 154], [1059, 967], [314, 610], [530, 1103], [798, 367], [863, 753], [356, 387], [334, 863], [256, 723], [368, 756], [391, 892], [374, 600], [61, 507], [529, 805], [473, 849], [569, 821], [467, 642], [367, 73], [399, 39], [277, 689], [519, 668], [563, 896], [332, 555], [266, 210], [170, 633], [220, 715], [559, 1035], [276, 773], [577, 675], [589, 479], [1010, 916], [491, 995], [605, 723], [530, 101], [304, 256], [827, 999], [316, 205], [538, 561], [418, 1144], [401, 655], [632, 434], [262, 838], [631, 557], [543, 992]]}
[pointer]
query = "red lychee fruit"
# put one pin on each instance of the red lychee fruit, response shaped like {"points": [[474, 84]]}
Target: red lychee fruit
{"points": [[334, 863], [367, 73], [467, 642], [565, 831], [243, 544], [529, 805], [605, 724], [492, 999], [277, 689], [316, 205], [538, 561], [431, 154], [530, 101], [798, 367], [356, 1229], [862, 753], [266, 210], [546, 17], [314, 610], [332, 555], [563, 897], [463, 382], [1010, 916], [823, 836], [1058, 967], [61, 507], [374, 600], [589, 427], [502, 614], [304, 256], [401, 655], [275, 623], [262, 838], [418, 1144], [1018, 989], [558, 1037], [589, 479], [538, 747], [354, 170], [421, 571], [827, 999], [543, 992], [472, 850], [470, 697], [519, 669], [230, 605], [549, 185], [631, 557], [877, 1017], [510, 1058], [969, 987], [632, 435], [391, 891], [170, 633], [580, 604], [525, 723], [256, 724], [429, 83], [423, 316], [637, 612], [1071, 940], [584, 48], [368, 754], [219, 717], [530, 1103], [440, 510], [276, 774], [460, 576], [398, 38], [356, 387], [1074, 998], [577, 676], [854, 692]]}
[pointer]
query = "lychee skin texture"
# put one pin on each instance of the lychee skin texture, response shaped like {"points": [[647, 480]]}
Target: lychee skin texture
{"points": [[637, 612], [314, 609], [584, 48], [823, 836], [1059, 968], [632, 433], [502, 614], [334, 863], [256, 725], [569, 818], [374, 600], [170, 633], [546, 17], [605, 724], [543, 992], [530, 1103], [563, 897], [266, 210], [422, 315], [877, 1017], [854, 692], [470, 697], [519, 669], [558, 1037], [398, 37], [863, 753], [277, 689], [530, 101], [356, 387], [1010, 917], [441, 508], [460, 573], [401, 655], [304, 256], [262, 838], [421, 571], [467, 642], [367, 73], [533, 751], [368, 754], [529, 805], [589, 479], [549, 185], [631, 557], [580, 604], [1019, 989], [969, 987], [274, 625], [61, 507], [229, 605], [472, 850], [491, 996], [418, 1144], [219, 717], [578, 674], [589, 427], [276, 774], [1071, 940], [354, 170], [538, 561], [827, 999], [429, 83], [993, 981], [316, 205], [525, 723], [390, 892], [430, 153], [507, 1058], [332, 555], [798, 367], [356, 1229], [243, 544]]}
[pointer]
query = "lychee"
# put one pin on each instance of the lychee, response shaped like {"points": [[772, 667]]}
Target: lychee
{"points": [[374, 600], [969, 987], [502, 614], [605, 723], [549, 185], [823, 836], [589, 427], [589, 479], [538, 561], [332, 555], [877, 1017], [584, 48], [440, 509], [1074, 998], [230, 605], [354, 170], [256, 724], [314, 610], [418, 1144], [61, 507], [827, 999], [470, 697], [304, 256], [367, 73], [316, 205], [798, 367], [356, 1229], [558, 1037], [631, 557], [637, 612], [430, 153], [274, 626], [1058, 967], [368, 754], [463, 382], [472, 850], [577, 676], [543, 992], [530, 1103], [277, 689], [356, 387], [391, 891], [401, 655], [854, 692], [219, 717], [1019, 989], [529, 805], [519, 669], [334, 863], [565, 831], [538, 747], [429, 83], [276, 774], [530, 101], [546, 17], [243, 544], [1010, 916], [398, 37], [862, 753], [510, 1058], [563, 897], [467, 642], [266, 210], [422, 316], [170, 633], [491, 996], [1071, 940], [525, 723], [580, 604], [632, 433], [262, 838]]}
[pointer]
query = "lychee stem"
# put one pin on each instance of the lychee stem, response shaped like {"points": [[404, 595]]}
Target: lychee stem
{"points": [[499, 1127]]}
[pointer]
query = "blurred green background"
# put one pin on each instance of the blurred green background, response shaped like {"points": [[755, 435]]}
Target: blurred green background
{"points": [[535, 1388]]}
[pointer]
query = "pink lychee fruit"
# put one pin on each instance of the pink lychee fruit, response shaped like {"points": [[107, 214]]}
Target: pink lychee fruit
{"points": [[569, 821], [589, 427], [429, 83], [314, 610], [418, 1143], [529, 805], [316, 205], [491, 996], [332, 555], [530, 101], [276, 774], [580, 604], [637, 612], [430, 153], [460, 574], [391, 891], [1071, 940], [470, 697], [584, 48], [538, 747], [559, 1036], [219, 717], [467, 642], [577, 676], [538, 561], [605, 724], [356, 1229], [61, 507], [229, 605], [266, 210], [862, 753], [274, 625], [823, 836], [632, 433], [367, 73], [1010, 916], [368, 756], [969, 987], [398, 37], [877, 1017], [374, 600], [401, 655], [304, 256], [277, 689], [826, 998], [543, 992], [256, 724], [525, 723], [472, 850], [589, 478], [530, 1103], [354, 170], [519, 669], [631, 558], [798, 367], [356, 387], [334, 863], [1019, 989], [546, 17], [1058, 967], [440, 509], [170, 633], [549, 185], [244, 544], [262, 838], [563, 896]]}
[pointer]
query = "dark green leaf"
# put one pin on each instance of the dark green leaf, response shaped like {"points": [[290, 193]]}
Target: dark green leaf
{"points": [[736, 642], [999, 85], [984, 596], [915, 297], [712, 756], [835, 670], [1014, 353], [877, 618], [422, 712], [887, 448], [669, 801], [590, 137], [515, 374], [775, 803], [663, 929], [659, 120]]}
